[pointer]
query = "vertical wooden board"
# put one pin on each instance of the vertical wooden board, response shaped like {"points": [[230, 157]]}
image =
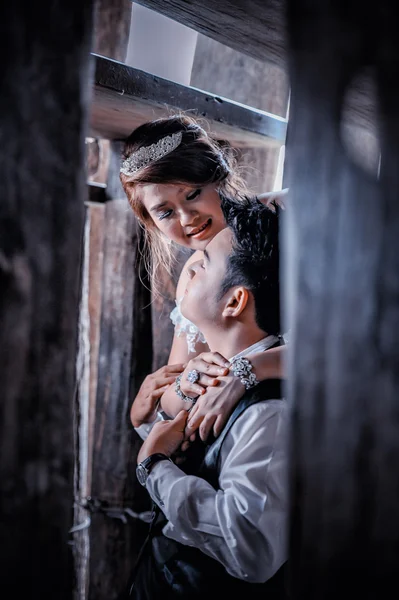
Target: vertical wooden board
{"points": [[114, 537], [97, 160], [111, 28], [95, 282], [112, 19], [343, 262], [43, 106], [113, 472], [87, 373]]}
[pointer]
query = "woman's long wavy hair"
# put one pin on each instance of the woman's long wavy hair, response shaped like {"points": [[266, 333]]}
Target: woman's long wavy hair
{"points": [[198, 160]]}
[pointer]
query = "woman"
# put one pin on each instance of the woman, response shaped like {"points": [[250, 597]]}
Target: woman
{"points": [[172, 173]]}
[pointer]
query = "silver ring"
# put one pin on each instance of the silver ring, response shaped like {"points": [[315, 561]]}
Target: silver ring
{"points": [[193, 376]]}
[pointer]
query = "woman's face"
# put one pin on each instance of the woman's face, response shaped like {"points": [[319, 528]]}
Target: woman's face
{"points": [[185, 214]]}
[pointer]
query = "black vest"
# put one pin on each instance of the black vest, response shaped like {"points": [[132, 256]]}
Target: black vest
{"points": [[170, 570]]}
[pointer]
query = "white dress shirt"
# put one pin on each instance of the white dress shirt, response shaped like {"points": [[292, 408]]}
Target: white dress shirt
{"points": [[243, 524]]}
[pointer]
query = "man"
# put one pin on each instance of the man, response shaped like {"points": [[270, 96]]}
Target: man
{"points": [[227, 523]]}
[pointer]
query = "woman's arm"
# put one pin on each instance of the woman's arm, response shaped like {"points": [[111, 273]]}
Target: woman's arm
{"points": [[269, 364]]}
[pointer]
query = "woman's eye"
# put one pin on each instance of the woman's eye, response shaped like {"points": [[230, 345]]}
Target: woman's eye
{"points": [[194, 194], [164, 215]]}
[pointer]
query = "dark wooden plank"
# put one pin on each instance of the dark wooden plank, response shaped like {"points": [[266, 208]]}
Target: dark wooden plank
{"points": [[41, 226], [114, 536], [97, 192], [253, 27], [343, 244], [111, 28], [125, 97]]}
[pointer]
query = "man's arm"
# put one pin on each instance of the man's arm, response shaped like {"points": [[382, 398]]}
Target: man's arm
{"points": [[243, 524]]}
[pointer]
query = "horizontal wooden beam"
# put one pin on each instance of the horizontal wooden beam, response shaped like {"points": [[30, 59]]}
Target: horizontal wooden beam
{"points": [[257, 28], [254, 27], [124, 97]]}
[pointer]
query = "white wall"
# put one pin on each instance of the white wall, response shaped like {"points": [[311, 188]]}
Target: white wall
{"points": [[160, 46]]}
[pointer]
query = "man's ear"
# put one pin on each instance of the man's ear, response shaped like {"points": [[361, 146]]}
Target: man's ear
{"points": [[236, 302]]}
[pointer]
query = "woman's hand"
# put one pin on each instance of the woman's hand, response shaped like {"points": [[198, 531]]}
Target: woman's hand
{"points": [[271, 199], [213, 408], [145, 404], [210, 366], [211, 411]]}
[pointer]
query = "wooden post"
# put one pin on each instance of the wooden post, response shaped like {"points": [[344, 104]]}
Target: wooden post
{"points": [[116, 353], [344, 265], [112, 19], [106, 539], [43, 104]]}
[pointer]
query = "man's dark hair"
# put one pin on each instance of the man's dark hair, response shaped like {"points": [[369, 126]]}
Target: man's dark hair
{"points": [[254, 260]]}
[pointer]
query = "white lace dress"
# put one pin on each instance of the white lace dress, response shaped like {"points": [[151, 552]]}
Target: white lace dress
{"points": [[184, 327]]}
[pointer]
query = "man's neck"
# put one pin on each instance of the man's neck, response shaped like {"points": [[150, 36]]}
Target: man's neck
{"points": [[230, 342]]}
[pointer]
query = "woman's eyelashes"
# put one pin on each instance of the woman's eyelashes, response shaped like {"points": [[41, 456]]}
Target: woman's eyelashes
{"points": [[165, 214], [194, 194]]}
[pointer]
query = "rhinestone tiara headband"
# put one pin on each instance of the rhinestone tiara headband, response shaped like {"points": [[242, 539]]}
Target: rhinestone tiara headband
{"points": [[148, 154]]}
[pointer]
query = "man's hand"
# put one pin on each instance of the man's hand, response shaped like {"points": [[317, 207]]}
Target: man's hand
{"points": [[210, 366], [165, 437], [144, 407], [211, 411]]}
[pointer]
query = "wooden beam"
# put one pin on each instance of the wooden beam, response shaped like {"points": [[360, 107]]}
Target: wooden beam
{"points": [[41, 229], [256, 28], [124, 97]]}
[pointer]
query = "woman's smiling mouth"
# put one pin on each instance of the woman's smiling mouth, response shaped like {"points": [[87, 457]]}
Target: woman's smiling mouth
{"points": [[199, 230]]}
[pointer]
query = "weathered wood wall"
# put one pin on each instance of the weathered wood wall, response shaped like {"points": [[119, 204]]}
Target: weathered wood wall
{"points": [[111, 28], [115, 353], [343, 239], [114, 535], [256, 28], [113, 359], [222, 70], [43, 106]]}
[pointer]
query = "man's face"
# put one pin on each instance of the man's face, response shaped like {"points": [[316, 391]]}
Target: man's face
{"points": [[200, 302]]}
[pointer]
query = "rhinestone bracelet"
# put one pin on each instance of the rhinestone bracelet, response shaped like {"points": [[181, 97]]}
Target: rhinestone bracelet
{"points": [[180, 393], [242, 368]]}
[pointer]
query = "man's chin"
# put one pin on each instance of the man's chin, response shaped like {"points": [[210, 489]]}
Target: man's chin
{"points": [[185, 309]]}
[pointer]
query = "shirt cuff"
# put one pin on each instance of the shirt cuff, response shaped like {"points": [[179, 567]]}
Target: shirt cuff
{"points": [[160, 480], [145, 428]]}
